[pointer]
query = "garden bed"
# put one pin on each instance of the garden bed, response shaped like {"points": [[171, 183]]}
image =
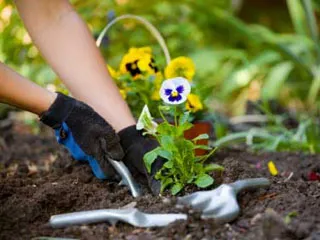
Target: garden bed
{"points": [[38, 179]]}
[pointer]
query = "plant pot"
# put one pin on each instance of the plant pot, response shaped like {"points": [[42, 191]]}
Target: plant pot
{"points": [[200, 127]]}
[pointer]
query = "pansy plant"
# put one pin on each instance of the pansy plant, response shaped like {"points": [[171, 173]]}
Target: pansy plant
{"points": [[139, 79], [182, 166]]}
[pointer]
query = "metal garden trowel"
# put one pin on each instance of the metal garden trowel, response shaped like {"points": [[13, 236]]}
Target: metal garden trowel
{"points": [[126, 177], [221, 203], [132, 216]]}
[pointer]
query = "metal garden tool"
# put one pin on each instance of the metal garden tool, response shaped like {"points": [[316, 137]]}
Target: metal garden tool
{"points": [[221, 203], [126, 177], [132, 216]]}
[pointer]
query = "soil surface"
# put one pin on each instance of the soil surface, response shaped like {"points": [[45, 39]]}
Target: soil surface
{"points": [[39, 179]]}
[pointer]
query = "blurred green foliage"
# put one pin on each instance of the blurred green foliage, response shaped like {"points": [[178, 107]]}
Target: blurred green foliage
{"points": [[242, 49]]}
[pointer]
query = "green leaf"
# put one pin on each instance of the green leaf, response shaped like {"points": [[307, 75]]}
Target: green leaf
{"points": [[242, 137], [313, 137], [220, 130], [184, 118], [297, 16], [177, 187], [168, 164], [201, 137], [165, 183], [167, 142], [184, 127], [164, 108], [165, 154], [213, 167], [204, 180], [165, 129], [198, 167], [204, 147], [150, 157], [275, 80], [312, 25]]}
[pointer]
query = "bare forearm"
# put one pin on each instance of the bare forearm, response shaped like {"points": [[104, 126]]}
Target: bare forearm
{"points": [[68, 46], [20, 92]]}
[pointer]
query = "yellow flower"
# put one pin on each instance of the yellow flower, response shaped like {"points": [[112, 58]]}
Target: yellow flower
{"points": [[180, 67], [139, 51], [123, 93], [155, 96], [272, 168], [144, 64], [138, 61], [157, 82], [193, 103], [112, 72]]}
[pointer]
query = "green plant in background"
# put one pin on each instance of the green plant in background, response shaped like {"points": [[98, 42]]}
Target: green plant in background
{"points": [[278, 66], [277, 135], [182, 166]]}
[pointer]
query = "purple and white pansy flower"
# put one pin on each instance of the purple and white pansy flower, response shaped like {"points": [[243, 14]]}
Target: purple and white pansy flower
{"points": [[175, 90]]}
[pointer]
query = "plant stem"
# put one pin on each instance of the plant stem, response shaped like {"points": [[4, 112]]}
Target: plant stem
{"points": [[175, 116], [162, 116], [208, 155]]}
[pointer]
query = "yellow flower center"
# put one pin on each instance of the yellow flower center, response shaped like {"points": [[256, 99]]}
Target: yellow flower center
{"points": [[174, 93], [134, 66]]}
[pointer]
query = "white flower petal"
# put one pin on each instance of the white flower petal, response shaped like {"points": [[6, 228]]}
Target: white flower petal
{"points": [[178, 81], [172, 84], [146, 122]]}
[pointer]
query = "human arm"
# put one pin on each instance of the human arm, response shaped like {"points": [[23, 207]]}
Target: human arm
{"points": [[20, 92], [87, 136], [66, 43]]}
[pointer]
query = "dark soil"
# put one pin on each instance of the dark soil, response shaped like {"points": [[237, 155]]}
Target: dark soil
{"points": [[38, 179]]}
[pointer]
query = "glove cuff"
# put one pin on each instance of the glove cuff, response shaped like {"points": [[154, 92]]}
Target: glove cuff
{"points": [[129, 136], [58, 111]]}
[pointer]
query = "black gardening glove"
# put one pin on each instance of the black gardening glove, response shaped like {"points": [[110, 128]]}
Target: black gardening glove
{"points": [[135, 146], [86, 135]]}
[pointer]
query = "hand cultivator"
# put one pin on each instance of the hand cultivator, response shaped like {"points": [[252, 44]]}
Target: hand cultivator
{"points": [[219, 204]]}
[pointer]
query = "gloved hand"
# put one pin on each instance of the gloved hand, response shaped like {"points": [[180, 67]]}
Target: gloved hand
{"points": [[135, 146], [86, 135]]}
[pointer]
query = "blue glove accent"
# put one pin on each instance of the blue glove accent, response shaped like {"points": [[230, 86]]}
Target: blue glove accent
{"points": [[74, 149]]}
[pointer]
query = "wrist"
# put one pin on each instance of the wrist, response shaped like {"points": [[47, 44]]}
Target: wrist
{"points": [[58, 110], [52, 96]]}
